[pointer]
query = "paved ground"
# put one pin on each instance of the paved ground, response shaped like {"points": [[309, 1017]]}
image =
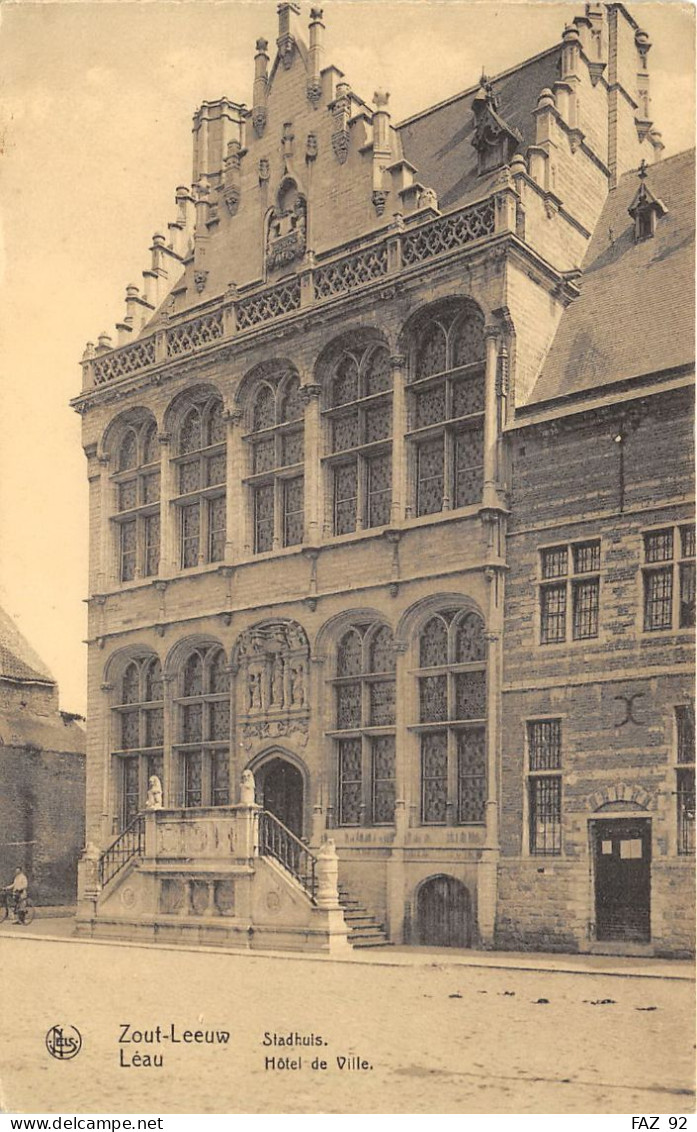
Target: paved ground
{"points": [[439, 1036]]}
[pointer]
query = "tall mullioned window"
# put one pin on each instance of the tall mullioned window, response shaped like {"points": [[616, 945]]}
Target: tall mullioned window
{"points": [[139, 727], [669, 578], [359, 419], [136, 481], [200, 468], [452, 713], [447, 411], [203, 728], [544, 786], [364, 691], [570, 592], [276, 446]]}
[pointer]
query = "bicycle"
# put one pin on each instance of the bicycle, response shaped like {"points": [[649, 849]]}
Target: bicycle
{"points": [[25, 912]]}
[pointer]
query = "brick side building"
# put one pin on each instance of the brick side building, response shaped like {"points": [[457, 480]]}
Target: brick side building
{"points": [[390, 505], [42, 775]]}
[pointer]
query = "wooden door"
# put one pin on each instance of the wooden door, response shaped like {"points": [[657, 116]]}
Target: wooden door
{"points": [[622, 855], [444, 913]]}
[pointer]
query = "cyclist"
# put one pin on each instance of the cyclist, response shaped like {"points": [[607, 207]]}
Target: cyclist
{"points": [[18, 888]]}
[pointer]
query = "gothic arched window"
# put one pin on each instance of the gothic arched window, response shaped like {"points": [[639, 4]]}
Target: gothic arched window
{"points": [[364, 691], [447, 410], [203, 728], [139, 726], [276, 456], [359, 416], [200, 467], [452, 718], [136, 479]]}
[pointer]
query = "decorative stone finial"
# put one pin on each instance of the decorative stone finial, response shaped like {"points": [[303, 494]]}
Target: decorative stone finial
{"points": [[381, 98], [546, 98], [154, 799], [247, 788]]}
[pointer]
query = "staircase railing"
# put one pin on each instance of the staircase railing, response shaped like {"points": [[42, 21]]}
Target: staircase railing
{"points": [[129, 844], [277, 841]]}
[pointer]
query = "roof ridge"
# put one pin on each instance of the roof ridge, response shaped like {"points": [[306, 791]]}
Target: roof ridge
{"points": [[474, 87], [18, 660]]}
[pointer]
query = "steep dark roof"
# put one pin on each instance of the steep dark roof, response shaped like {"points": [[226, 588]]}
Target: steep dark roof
{"points": [[635, 314], [438, 142], [18, 661]]}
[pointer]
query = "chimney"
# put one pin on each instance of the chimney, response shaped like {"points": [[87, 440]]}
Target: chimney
{"points": [[261, 79], [314, 82], [287, 32]]}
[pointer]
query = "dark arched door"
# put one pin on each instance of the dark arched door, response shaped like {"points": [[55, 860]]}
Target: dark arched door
{"points": [[281, 789], [444, 913]]}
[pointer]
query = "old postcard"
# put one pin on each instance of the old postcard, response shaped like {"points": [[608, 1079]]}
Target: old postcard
{"points": [[347, 735]]}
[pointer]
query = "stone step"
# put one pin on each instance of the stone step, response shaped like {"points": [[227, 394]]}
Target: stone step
{"points": [[364, 929]]}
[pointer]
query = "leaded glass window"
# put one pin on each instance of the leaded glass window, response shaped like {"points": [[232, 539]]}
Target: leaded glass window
{"points": [[669, 578], [276, 457], [203, 728], [139, 733], [447, 410], [136, 483], [544, 740], [359, 424], [201, 471], [452, 711], [364, 691], [471, 775], [570, 592]]}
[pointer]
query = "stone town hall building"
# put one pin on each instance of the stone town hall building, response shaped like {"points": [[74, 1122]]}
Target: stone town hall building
{"points": [[391, 505]]}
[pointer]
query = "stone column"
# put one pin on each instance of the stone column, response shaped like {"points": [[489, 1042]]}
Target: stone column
{"points": [[327, 875], [313, 524], [490, 499], [106, 833], [108, 569], [396, 875], [235, 493], [170, 790], [169, 561], [321, 781], [399, 428], [487, 876]]}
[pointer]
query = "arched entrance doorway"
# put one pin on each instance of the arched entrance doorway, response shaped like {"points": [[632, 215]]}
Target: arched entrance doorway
{"points": [[444, 913], [280, 791]]}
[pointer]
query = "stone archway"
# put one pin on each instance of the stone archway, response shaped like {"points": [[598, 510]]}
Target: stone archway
{"points": [[444, 913], [280, 789]]}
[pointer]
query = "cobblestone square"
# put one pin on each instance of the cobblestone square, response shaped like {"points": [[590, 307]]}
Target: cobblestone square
{"points": [[425, 1035]]}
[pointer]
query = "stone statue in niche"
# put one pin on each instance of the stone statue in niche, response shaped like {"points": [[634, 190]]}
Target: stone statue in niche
{"points": [[287, 235], [272, 658], [277, 682], [254, 690], [154, 798], [297, 687]]}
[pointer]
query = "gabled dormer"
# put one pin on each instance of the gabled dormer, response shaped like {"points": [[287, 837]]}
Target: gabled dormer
{"points": [[645, 209], [494, 140]]}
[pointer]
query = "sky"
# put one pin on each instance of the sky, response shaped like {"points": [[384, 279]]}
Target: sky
{"points": [[95, 134]]}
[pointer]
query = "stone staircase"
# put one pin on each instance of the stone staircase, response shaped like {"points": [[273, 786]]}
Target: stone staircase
{"points": [[364, 929]]}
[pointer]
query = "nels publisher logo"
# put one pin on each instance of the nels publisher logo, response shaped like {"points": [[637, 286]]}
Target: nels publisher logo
{"points": [[63, 1042]]}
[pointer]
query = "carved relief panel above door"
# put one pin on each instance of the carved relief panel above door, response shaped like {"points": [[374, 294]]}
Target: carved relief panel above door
{"points": [[271, 659]]}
